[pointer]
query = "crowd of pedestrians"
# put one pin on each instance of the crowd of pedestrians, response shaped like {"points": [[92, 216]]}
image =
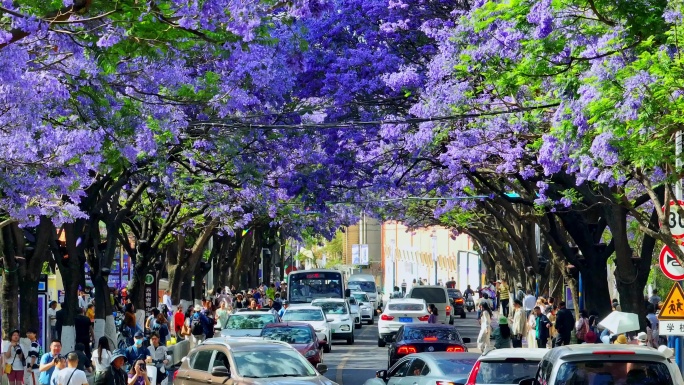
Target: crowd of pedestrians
{"points": [[546, 323]]}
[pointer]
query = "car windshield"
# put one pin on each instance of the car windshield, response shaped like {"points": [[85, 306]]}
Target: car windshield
{"points": [[406, 306], [303, 315], [291, 335], [367, 286], [456, 366], [501, 372], [361, 297], [614, 372], [332, 307], [441, 334], [249, 321], [306, 286], [272, 363]]}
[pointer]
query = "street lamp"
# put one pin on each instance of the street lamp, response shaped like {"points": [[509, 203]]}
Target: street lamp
{"points": [[392, 258], [434, 252]]}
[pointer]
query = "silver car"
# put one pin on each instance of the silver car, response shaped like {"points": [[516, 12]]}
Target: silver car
{"points": [[247, 361], [427, 369], [365, 307]]}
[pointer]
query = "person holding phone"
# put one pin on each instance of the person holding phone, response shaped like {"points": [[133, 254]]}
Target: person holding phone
{"points": [[138, 374]]}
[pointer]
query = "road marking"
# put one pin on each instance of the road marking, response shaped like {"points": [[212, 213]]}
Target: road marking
{"points": [[339, 376]]}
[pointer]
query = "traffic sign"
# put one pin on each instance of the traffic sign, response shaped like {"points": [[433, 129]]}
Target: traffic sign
{"points": [[673, 307], [675, 221], [670, 265]]}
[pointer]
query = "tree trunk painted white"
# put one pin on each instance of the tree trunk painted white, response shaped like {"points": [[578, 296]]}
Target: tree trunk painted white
{"points": [[68, 338], [105, 327], [186, 304], [140, 319]]}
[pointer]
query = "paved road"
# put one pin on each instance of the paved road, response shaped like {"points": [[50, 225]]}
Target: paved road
{"points": [[354, 364]]}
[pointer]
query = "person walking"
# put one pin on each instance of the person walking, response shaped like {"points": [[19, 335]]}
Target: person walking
{"points": [[655, 299], [52, 317], [485, 326], [517, 324], [222, 315], [542, 328], [565, 322], [532, 330], [178, 321], [114, 374], [84, 331], [33, 357], [403, 288], [502, 334], [15, 358], [432, 319], [159, 353], [71, 375], [49, 361], [504, 295], [582, 326], [102, 357]]}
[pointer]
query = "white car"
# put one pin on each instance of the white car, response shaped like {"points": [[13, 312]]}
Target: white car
{"points": [[506, 366], [339, 317], [399, 312], [314, 316], [365, 306], [247, 323], [355, 311]]}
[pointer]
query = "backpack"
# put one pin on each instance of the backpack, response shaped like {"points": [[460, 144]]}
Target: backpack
{"points": [[582, 328], [521, 296], [196, 327]]}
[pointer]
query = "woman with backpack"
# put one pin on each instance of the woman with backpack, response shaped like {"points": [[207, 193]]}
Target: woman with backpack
{"points": [[582, 326]]}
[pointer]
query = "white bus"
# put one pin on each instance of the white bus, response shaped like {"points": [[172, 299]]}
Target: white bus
{"points": [[306, 285]]}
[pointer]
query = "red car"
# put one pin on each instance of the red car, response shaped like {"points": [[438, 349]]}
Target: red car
{"points": [[300, 335]]}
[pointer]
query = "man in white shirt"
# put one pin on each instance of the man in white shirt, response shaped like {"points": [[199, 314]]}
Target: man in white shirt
{"points": [[52, 316], [82, 300], [71, 375], [529, 303]]}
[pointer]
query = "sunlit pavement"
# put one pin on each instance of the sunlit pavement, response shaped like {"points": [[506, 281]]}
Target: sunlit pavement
{"points": [[354, 364]]}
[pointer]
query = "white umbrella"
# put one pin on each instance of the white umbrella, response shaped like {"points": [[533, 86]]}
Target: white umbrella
{"points": [[618, 322]]}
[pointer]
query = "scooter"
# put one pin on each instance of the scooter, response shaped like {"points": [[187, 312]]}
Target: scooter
{"points": [[470, 303]]}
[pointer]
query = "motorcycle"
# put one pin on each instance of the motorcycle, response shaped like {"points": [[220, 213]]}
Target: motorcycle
{"points": [[470, 303]]}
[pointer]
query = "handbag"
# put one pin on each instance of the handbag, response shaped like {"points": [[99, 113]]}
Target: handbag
{"points": [[8, 367]]}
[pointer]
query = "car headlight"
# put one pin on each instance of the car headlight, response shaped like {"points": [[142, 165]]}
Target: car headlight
{"points": [[310, 353]]}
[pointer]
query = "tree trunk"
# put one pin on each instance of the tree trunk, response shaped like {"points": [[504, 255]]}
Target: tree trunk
{"points": [[10, 284], [597, 297], [72, 269]]}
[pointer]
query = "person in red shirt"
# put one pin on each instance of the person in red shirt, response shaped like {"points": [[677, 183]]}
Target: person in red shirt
{"points": [[178, 321]]}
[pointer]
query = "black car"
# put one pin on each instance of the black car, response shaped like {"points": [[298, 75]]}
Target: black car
{"points": [[457, 302], [425, 338]]}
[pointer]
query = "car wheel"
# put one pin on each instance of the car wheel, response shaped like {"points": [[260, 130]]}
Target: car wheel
{"points": [[350, 339], [381, 343], [372, 321], [327, 348], [463, 315], [358, 325], [451, 320]]}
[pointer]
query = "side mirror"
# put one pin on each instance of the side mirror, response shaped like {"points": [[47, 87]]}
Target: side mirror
{"points": [[322, 368], [347, 293], [528, 381], [466, 340], [382, 374], [220, 371]]}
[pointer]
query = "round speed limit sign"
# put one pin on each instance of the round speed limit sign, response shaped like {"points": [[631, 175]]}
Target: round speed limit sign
{"points": [[675, 221]]}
